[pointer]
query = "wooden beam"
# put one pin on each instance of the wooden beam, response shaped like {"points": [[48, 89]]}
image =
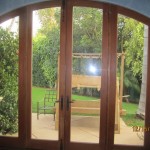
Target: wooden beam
{"points": [[104, 81], [26, 29], [92, 55], [121, 80], [112, 70]]}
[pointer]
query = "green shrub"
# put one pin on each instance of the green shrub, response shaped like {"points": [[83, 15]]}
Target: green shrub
{"points": [[8, 82]]}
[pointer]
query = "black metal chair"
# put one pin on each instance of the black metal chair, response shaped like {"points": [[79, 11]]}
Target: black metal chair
{"points": [[48, 103]]}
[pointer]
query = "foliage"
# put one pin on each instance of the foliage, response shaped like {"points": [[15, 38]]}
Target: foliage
{"points": [[87, 30], [45, 49], [8, 82], [87, 38], [38, 76], [46, 43], [134, 46], [131, 41], [38, 95], [132, 86]]}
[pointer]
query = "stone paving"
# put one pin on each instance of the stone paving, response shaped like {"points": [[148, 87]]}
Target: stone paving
{"points": [[83, 129]]}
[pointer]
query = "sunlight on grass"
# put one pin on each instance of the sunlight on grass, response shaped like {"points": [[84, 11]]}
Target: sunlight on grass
{"points": [[130, 118], [38, 95]]}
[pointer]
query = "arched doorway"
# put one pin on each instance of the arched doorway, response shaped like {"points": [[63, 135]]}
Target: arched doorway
{"points": [[108, 77]]}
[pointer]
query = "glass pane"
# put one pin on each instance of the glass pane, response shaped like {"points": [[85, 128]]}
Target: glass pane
{"points": [[131, 82], [86, 74], [9, 50], [46, 41]]}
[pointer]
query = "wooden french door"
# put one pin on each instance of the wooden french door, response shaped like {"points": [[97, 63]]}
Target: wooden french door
{"points": [[46, 131], [78, 127], [86, 123], [74, 131], [82, 131], [97, 130], [65, 135]]}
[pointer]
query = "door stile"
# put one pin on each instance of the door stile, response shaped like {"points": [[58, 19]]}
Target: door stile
{"points": [[25, 75], [104, 80], [112, 66], [103, 119], [62, 74], [38, 143], [68, 19], [28, 71]]}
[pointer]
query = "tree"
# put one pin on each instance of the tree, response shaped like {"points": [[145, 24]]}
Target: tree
{"points": [[134, 46], [87, 30], [130, 40], [38, 76], [8, 82], [87, 38], [46, 48]]}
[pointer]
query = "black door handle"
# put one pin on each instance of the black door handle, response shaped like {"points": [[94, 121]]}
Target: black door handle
{"points": [[68, 103], [61, 102]]}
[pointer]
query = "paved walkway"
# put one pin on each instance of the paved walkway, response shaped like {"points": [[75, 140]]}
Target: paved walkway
{"points": [[83, 129]]}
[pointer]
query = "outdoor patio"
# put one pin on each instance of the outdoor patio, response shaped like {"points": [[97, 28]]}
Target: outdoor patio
{"points": [[82, 130]]}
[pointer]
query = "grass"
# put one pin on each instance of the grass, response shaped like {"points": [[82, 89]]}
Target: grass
{"points": [[38, 95], [130, 118]]}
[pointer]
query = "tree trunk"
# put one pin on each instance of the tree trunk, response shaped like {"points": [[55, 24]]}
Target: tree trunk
{"points": [[142, 102]]}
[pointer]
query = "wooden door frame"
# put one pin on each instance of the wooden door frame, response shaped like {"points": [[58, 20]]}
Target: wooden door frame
{"points": [[110, 76], [20, 140], [34, 143], [24, 139], [105, 48]]}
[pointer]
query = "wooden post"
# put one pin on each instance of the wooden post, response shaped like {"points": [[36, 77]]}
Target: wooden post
{"points": [[57, 88], [121, 80]]}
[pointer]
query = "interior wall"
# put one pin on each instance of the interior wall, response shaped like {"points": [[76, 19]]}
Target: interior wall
{"points": [[140, 6], [9, 5]]}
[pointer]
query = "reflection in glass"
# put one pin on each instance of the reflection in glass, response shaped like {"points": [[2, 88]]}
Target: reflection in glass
{"points": [[9, 50]]}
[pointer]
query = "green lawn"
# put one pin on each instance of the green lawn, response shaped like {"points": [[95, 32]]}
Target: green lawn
{"points": [[130, 118], [38, 95]]}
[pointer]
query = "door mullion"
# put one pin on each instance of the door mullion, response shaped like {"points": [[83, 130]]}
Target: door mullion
{"points": [[68, 18], [112, 55], [62, 75], [104, 79]]}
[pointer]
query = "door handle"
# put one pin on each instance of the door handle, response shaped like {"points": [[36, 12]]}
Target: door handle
{"points": [[61, 102], [68, 103]]}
